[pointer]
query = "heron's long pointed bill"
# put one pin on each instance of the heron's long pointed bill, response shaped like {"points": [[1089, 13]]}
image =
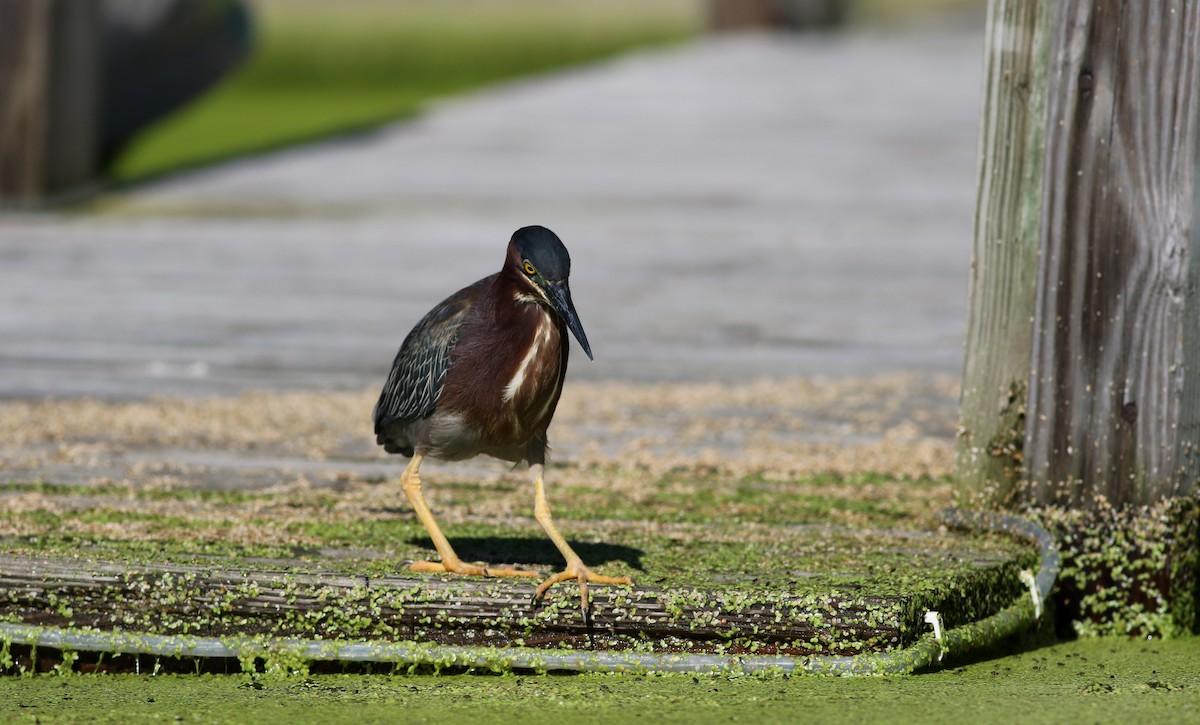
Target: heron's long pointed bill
{"points": [[560, 297]]}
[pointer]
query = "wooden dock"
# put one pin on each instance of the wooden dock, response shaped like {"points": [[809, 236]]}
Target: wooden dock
{"points": [[315, 599]]}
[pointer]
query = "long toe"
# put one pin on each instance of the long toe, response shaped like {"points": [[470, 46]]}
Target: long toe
{"points": [[509, 571], [553, 579], [458, 567]]}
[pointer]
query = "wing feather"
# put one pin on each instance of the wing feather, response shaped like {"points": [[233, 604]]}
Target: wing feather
{"points": [[418, 373]]}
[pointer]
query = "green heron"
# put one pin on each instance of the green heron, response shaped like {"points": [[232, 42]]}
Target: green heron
{"points": [[482, 373]]}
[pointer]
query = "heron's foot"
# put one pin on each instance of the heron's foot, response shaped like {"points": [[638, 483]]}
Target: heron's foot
{"points": [[578, 572], [458, 567]]}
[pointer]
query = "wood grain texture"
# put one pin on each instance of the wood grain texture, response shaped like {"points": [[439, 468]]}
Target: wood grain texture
{"points": [[1107, 396], [1004, 258]]}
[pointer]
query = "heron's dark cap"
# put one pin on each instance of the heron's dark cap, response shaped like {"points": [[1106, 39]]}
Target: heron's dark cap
{"points": [[543, 247]]}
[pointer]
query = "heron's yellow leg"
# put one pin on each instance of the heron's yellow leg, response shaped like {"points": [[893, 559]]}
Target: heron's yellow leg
{"points": [[575, 567], [411, 483]]}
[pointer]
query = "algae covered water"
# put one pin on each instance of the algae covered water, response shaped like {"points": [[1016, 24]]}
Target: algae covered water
{"points": [[1095, 680]]}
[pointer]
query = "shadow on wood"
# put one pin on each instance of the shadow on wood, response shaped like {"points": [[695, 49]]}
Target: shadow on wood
{"points": [[534, 551]]}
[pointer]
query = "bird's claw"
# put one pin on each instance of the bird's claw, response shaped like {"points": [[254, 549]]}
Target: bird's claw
{"points": [[583, 575]]}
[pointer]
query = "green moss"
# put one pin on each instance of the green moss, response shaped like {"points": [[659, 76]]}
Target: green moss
{"points": [[61, 489], [1006, 450], [123, 491], [182, 550]]}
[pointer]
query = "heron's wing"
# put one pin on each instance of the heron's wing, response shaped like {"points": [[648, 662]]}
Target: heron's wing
{"points": [[419, 371]]}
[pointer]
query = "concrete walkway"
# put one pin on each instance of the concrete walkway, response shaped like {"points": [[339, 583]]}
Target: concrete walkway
{"points": [[743, 207]]}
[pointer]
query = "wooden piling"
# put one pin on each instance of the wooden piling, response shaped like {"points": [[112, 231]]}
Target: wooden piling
{"points": [[1081, 388], [50, 74]]}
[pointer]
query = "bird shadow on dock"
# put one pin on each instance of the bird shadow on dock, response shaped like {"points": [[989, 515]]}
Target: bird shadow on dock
{"points": [[534, 551]]}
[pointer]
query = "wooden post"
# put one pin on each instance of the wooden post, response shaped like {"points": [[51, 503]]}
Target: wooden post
{"points": [[50, 99], [1004, 262], [1081, 387], [1109, 300]]}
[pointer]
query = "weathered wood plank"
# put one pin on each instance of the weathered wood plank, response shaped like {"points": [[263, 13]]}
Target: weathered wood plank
{"points": [[220, 601]]}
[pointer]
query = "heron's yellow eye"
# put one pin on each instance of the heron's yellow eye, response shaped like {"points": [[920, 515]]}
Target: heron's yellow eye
{"points": [[529, 268]]}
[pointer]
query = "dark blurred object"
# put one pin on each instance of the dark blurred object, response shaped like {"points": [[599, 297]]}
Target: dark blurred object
{"points": [[50, 99], [80, 79], [158, 55], [778, 14]]}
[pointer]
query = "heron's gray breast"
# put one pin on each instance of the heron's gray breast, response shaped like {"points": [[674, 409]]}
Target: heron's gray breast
{"points": [[447, 437]]}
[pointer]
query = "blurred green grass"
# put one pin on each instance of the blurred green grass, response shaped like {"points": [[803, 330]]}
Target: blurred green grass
{"points": [[321, 68]]}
